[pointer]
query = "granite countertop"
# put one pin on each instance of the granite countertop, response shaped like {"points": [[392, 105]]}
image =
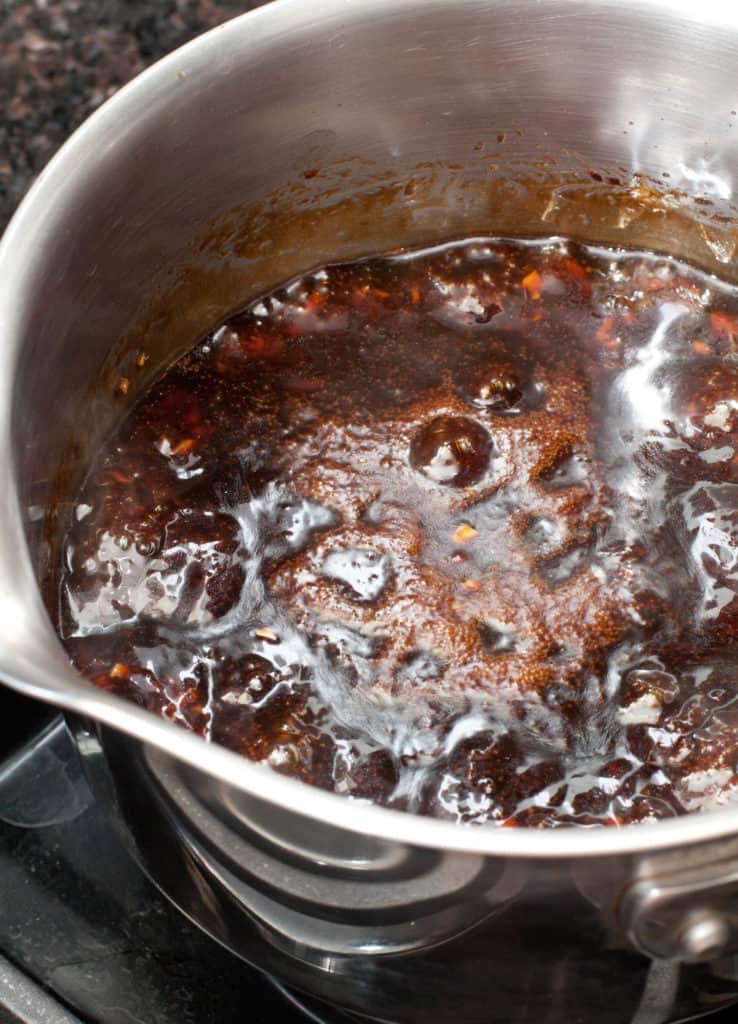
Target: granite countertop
{"points": [[60, 59]]}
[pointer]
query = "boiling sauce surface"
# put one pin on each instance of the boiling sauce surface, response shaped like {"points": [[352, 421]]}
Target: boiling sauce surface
{"points": [[454, 531]]}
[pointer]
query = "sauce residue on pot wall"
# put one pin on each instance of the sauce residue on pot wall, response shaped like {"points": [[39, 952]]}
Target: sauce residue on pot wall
{"points": [[452, 530]]}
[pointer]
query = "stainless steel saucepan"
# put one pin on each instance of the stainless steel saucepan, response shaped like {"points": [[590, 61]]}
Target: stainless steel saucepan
{"points": [[311, 131]]}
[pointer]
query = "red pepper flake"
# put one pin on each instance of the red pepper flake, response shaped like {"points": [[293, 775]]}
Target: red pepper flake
{"points": [[701, 347], [472, 585], [533, 283], [184, 446], [315, 300], [120, 478], [657, 284], [575, 269], [264, 633], [121, 388], [465, 532], [262, 346], [415, 295], [119, 671], [722, 324], [142, 359], [604, 331]]}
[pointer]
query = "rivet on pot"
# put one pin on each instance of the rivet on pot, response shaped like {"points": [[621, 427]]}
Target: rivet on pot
{"points": [[704, 935]]}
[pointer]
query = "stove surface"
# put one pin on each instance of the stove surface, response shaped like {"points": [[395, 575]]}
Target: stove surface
{"points": [[84, 935]]}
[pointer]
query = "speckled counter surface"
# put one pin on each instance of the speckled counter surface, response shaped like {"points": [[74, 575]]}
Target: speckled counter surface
{"points": [[60, 59]]}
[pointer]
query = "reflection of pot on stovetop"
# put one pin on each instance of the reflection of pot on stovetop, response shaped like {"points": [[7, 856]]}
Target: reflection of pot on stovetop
{"points": [[189, 188]]}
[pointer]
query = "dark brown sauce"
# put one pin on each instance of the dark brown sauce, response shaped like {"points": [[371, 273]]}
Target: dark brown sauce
{"points": [[455, 531]]}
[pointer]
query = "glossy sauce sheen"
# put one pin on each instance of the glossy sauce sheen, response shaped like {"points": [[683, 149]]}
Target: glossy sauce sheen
{"points": [[455, 531]]}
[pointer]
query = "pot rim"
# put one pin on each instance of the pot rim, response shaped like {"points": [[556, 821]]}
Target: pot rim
{"points": [[51, 678]]}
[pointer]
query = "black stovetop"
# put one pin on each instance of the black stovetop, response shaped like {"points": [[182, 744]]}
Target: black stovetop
{"points": [[81, 928]]}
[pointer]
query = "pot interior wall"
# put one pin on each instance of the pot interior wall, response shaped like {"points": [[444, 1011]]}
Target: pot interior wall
{"points": [[242, 162]]}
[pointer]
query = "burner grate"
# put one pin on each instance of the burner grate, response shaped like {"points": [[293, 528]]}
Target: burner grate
{"points": [[84, 934]]}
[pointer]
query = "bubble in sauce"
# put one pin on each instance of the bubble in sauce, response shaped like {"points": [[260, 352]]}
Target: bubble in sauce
{"points": [[451, 450]]}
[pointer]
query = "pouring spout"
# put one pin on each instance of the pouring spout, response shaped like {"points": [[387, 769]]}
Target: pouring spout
{"points": [[31, 657]]}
